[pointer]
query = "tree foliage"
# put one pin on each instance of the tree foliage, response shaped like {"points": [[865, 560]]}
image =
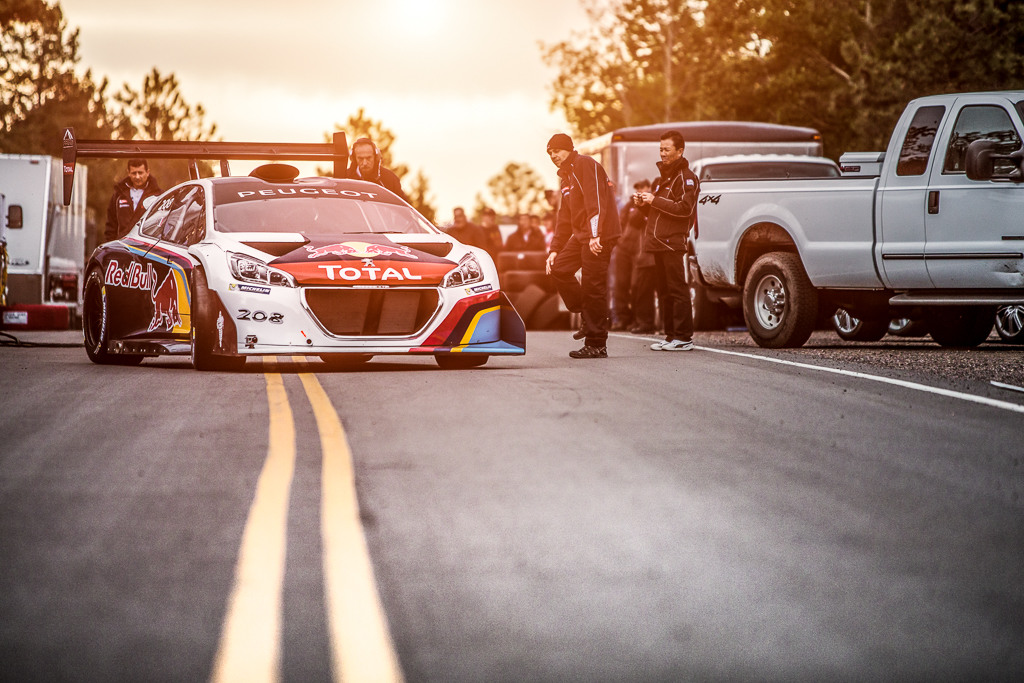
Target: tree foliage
{"points": [[42, 91], [517, 189], [846, 67]]}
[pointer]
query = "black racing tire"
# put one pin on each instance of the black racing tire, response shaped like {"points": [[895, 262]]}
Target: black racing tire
{"points": [[345, 361], [780, 305], [1010, 324], [461, 361], [203, 331], [961, 326], [908, 327], [96, 316], [851, 328]]}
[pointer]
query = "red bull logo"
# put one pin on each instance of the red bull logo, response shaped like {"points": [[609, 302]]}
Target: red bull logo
{"points": [[360, 250], [165, 305]]}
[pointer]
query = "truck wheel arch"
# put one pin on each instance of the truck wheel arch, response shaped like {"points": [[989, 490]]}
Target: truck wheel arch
{"points": [[758, 240]]}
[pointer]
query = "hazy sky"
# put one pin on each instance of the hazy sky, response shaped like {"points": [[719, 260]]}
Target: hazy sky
{"points": [[461, 83]]}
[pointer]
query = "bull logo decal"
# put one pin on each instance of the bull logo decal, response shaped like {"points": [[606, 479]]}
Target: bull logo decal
{"points": [[363, 250], [165, 305]]}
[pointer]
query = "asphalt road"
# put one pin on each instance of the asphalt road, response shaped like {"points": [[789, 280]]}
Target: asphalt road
{"points": [[725, 514]]}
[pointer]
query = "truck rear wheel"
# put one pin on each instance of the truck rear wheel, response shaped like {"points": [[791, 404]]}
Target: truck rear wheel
{"points": [[961, 326], [780, 304]]}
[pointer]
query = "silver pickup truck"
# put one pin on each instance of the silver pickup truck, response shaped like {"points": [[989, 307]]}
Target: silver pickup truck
{"points": [[931, 229]]}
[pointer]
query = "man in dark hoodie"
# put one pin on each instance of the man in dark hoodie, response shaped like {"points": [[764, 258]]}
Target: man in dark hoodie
{"points": [[366, 165], [671, 206], [126, 206], [585, 234]]}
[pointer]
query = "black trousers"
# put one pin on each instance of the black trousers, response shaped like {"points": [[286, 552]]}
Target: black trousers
{"points": [[588, 296], [674, 294]]}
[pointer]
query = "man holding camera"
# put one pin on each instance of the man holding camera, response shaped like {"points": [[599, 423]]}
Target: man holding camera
{"points": [[671, 206]]}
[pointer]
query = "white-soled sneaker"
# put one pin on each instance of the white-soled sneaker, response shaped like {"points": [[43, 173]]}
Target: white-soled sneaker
{"points": [[677, 345], [658, 346]]}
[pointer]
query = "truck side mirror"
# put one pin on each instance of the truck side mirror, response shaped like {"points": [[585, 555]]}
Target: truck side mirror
{"points": [[981, 158], [14, 217]]}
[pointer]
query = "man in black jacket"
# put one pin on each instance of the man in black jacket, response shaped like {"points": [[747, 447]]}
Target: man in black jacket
{"points": [[585, 234], [366, 165], [126, 206], [671, 207]]}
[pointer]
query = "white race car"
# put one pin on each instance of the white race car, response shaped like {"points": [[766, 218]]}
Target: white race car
{"points": [[270, 264]]}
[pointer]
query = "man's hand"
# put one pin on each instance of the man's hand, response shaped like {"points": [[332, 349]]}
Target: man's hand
{"points": [[595, 245], [549, 262], [646, 198]]}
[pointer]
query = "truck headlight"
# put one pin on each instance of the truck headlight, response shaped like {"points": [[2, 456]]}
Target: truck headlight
{"points": [[248, 269], [467, 272]]}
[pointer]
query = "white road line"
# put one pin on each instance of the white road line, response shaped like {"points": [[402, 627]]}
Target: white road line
{"points": [[971, 398]]}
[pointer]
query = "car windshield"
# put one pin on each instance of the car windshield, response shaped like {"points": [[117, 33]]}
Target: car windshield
{"points": [[751, 171], [318, 215]]}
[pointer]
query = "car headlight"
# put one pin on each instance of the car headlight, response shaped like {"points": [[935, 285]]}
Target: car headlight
{"points": [[467, 272], [248, 269]]}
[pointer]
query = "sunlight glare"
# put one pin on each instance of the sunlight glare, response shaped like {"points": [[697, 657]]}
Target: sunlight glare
{"points": [[422, 18]]}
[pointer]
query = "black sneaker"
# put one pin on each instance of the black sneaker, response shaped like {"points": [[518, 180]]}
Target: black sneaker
{"points": [[590, 352], [580, 333]]}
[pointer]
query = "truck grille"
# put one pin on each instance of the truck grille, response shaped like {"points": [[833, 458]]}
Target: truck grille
{"points": [[398, 312]]}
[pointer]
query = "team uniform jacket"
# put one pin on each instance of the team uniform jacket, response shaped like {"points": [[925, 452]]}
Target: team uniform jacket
{"points": [[588, 203], [121, 216], [385, 177], [674, 209]]}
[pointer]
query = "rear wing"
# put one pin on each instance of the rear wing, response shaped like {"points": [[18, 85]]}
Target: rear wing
{"points": [[336, 151]]}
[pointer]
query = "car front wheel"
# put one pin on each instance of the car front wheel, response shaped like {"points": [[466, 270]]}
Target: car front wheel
{"points": [[204, 329]]}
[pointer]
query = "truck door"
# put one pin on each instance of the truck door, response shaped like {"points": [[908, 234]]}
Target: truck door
{"points": [[974, 229], [901, 217]]}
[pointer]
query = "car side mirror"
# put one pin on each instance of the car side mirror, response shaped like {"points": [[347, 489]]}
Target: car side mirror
{"points": [[14, 218], [981, 158]]}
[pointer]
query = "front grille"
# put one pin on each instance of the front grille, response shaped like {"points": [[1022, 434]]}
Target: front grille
{"points": [[349, 312]]}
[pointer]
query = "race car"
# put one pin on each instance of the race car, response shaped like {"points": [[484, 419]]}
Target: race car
{"points": [[225, 268]]}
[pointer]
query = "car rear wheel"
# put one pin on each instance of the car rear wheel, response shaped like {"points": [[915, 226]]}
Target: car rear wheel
{"points": [[780, 304], [203, 334], [1010, 324], [908, 327], [461, 361], [851, 328], [96, 324]]}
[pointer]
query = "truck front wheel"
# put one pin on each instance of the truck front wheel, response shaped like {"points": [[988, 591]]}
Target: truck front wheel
{"points": [[961, 326], [780, 304]]}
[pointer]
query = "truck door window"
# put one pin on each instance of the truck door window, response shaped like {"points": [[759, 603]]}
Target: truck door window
{"points": [[917, 145], [982, 122]]}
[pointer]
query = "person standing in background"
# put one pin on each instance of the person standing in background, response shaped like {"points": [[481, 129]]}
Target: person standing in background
{"points": [[586, 230]]}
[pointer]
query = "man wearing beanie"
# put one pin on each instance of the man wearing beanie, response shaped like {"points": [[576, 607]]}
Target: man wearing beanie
{"points": [[585, 233]]}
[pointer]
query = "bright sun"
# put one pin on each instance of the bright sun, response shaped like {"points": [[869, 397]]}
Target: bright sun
{"points": [[423, 18]]}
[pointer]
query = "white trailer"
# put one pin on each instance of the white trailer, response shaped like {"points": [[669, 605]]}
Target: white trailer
{"points": [[45, 243], [630, 154]]}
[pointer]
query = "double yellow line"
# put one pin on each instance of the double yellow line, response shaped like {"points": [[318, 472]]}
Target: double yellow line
{"points": [[250, 642]]}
